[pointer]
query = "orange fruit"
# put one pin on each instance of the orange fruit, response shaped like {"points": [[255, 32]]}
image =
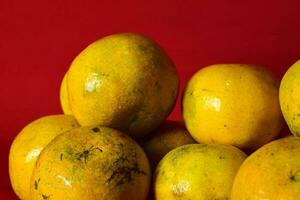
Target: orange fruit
{"points": [[235, 104], [197, 171], [91, 163], [124, 81], [28, 145], [272, 172], [168, 136]]}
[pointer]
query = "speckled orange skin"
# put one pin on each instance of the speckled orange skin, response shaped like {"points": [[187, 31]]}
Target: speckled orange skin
{"points": [[198, 172], [91, 163], [272, 172], [27, 146], [124, 81], [233, 104], [289, 96]]}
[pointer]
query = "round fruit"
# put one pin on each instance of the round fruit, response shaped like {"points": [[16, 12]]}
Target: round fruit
{"points": [[124, 81], [91, 163], [168, 136], [64, 97], [272, 172], [27, 146], [232, 104], [197, 171], [289, 96]]}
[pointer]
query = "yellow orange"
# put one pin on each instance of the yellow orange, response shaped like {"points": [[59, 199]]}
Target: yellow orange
{"points": [[64, 97], [124, 81], [234, 104], [168, 136], [197, 171], [28, 145], [272, 172], [91, 163]]}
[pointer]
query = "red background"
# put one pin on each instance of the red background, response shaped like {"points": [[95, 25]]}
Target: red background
{"points": [[39, 39]]}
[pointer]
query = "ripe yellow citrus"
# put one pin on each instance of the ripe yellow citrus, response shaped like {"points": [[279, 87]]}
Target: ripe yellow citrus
{"points": [[64, 97], [168, 136], [197, 171], [124, 81], [272, 172], [27, 146], [289, 96], [232, 104], [91, 163]]}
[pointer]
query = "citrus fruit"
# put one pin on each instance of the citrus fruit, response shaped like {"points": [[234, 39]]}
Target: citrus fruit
{"points": [[272, 172], [168, 136], [91, 163], [64, 97], [124, 81], [197, 171], [27, 146], [233, 104], [289, 96]]}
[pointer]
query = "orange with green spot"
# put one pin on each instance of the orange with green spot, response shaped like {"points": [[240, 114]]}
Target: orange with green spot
{"points": [[197, 171]]}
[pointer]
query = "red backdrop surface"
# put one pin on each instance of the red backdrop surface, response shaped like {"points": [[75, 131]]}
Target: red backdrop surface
{"points": [[39, 39]]}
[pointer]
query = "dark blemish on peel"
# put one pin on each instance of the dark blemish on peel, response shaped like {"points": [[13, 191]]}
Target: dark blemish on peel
{"points": [[121, 159], [124, 174], [221, 157], [103, 74], [294, 177], [142, 48], [96, 130], [45, 197], [36, 184], [86, 153], [298, 115], [123, 170], [61, 156], [225, 125], [272, 154], [205, 90]]}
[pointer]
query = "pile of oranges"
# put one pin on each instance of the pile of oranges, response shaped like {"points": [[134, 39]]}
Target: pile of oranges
{"points": [[113, 141]]}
